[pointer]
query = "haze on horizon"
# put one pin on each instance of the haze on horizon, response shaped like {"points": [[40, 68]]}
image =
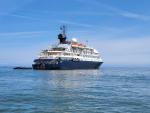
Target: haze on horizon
{"points": [[118, 29]]}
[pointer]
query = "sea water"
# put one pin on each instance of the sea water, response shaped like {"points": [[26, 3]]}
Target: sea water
{"points": [[107, 90]]}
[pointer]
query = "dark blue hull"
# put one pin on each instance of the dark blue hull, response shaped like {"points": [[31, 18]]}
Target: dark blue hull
{"points": [[66, 65]]}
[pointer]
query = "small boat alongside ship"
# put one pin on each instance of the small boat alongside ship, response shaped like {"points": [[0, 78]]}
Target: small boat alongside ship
{"points": [[67, 55], [24, 68]]}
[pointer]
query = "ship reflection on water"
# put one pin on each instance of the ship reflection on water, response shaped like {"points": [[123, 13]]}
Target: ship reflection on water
{"points": [[71, 78]]}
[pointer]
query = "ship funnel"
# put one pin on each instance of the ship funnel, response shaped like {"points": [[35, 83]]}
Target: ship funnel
{"points": [[62, 36]]}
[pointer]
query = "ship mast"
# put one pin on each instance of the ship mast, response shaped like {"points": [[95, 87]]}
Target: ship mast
{"points": [[62, 36], [63, 28]]}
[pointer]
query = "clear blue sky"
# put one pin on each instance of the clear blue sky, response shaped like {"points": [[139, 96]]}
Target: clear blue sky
{"points": [[119, 29]]}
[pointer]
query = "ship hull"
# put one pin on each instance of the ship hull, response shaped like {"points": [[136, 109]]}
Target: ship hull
{"points": [[67, 65]]}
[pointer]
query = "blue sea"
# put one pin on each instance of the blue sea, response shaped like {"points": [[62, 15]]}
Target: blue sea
{"points": [[107, 90]]}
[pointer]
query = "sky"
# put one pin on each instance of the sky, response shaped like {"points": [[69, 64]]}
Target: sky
{"points": [[119, 29]]}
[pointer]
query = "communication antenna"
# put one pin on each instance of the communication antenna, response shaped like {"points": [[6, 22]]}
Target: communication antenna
{"points": [[63, 29], [87, 42]]}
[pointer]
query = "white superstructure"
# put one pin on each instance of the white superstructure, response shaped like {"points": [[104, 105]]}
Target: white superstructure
{"points": [[71, 50]]}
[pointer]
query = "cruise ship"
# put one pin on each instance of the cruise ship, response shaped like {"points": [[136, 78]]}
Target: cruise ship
{"points": [[68, 55]]}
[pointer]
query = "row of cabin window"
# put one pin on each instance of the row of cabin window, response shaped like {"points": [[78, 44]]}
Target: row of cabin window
{"points": [[72, 54], [90, 56], [52, 53], [76, 50], [82, 52], [58, 49], [82, 55]]}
